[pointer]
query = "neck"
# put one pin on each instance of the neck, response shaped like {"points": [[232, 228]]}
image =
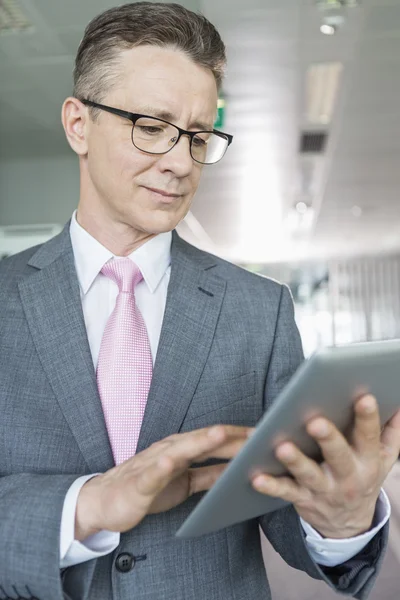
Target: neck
{"points": [[120, 238]]}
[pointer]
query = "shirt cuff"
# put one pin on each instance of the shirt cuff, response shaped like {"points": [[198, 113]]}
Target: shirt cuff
{"points": [[73, 552], [329, 552]]}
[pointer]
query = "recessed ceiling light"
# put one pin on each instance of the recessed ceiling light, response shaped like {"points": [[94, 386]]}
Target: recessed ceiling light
{"points": [[328, 29], [301, 207], [12, 17], [356, 211]]}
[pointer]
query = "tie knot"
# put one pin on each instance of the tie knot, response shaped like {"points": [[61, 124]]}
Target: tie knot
{"points": [[125, 273]]}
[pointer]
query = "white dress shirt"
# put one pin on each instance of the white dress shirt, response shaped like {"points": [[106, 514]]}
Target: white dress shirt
{"points": [[98, 296]]}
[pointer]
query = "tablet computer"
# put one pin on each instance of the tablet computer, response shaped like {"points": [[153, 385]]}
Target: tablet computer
{"points": [[326, 384]]}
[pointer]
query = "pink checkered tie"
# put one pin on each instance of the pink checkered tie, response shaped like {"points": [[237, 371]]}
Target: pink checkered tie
{"points": [[125, 366]]}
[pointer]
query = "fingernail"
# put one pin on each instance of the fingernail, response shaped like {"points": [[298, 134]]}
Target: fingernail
{"points": [[285, 452], [260, 481], [368, 404], [319, 428], [323, 428]]}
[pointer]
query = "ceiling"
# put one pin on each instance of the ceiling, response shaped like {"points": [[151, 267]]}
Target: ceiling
{"points": [[244, 204]]}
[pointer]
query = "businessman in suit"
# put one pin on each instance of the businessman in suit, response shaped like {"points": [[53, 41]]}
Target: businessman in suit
{"points": [[132, 363]]}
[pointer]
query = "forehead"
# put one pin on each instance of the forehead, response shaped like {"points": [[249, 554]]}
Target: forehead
{"points": [[168, 80]]}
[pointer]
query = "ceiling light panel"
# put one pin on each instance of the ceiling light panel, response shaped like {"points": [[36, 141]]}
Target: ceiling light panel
{"points": [[322, 86]]}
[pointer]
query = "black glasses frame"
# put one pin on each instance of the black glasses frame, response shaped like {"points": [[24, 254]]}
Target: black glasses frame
{"points": [[133, 117]]}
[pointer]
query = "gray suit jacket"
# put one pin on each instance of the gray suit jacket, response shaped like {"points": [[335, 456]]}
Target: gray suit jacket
{"points": [[228, 345]]}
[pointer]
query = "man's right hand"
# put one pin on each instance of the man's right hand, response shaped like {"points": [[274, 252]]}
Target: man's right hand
{"points": [[156, 479]]}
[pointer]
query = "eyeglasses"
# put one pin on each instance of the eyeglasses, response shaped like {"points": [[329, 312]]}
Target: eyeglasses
{"points": [[156, 136]]}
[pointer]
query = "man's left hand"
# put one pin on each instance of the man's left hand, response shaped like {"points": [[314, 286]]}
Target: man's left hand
{"points": [[338, 497]]}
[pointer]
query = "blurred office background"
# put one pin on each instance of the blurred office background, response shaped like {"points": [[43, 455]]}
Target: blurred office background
{"points": [[307, 193]]}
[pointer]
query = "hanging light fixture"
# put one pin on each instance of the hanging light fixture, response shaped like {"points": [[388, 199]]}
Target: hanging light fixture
{"points": [[334, 14], [331, 4]]}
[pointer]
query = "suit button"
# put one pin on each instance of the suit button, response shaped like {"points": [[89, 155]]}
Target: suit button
{"points": [[125, 562]]}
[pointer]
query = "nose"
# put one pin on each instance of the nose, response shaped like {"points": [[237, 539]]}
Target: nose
{"points": [[178, 160]]}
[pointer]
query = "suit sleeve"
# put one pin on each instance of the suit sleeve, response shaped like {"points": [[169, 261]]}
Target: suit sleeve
{"points": [[31, 508], [282, 527]]}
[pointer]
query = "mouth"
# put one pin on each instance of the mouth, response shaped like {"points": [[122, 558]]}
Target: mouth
{"points": [[163, 193]]}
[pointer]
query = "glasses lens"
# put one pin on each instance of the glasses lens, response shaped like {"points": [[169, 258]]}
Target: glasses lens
{"points": [[155, 136], [152, 135], [208, 148]]}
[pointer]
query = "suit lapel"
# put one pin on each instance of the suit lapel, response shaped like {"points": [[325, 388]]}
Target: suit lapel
{"points": [[52, 305], [193, 305]]}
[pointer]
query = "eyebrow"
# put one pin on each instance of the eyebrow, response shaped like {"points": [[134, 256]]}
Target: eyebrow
{"points": [[165, 115]]}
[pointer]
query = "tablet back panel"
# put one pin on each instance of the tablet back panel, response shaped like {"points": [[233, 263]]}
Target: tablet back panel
{"points": [[326, 384]]}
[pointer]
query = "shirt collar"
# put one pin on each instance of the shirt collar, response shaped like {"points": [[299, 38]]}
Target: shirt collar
{"points": [[153, 258]]}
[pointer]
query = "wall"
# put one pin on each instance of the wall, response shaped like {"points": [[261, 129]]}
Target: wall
{"points": [[38, 190]]}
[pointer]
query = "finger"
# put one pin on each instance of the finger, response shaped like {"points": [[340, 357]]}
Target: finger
{"points": [[305, 471], [391, 440], [202, 478], [227, 450], [280, 487], [366, 435], [212, 442], [169, 457], [336, 451]]}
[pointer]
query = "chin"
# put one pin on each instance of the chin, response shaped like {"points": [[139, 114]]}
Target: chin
{"points": [[160, 223]]}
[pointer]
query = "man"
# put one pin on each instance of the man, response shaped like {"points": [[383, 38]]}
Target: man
{"points": [[117, 327]]}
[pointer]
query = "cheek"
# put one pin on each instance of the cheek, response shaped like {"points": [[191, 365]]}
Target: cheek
{"points": [[130, 165], [195, 178], [108, 162]]}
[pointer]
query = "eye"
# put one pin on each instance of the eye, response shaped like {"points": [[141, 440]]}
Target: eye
{"points": [[199, 142], [149, 129]]}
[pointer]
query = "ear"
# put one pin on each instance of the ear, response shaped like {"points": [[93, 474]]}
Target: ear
{"points": [[74, 116]]}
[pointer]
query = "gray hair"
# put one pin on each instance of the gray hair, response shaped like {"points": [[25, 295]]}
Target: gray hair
{"points": [[137, 24]]}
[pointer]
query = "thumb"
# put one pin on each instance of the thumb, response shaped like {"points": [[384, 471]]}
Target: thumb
{"points": [[391, 439]]}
